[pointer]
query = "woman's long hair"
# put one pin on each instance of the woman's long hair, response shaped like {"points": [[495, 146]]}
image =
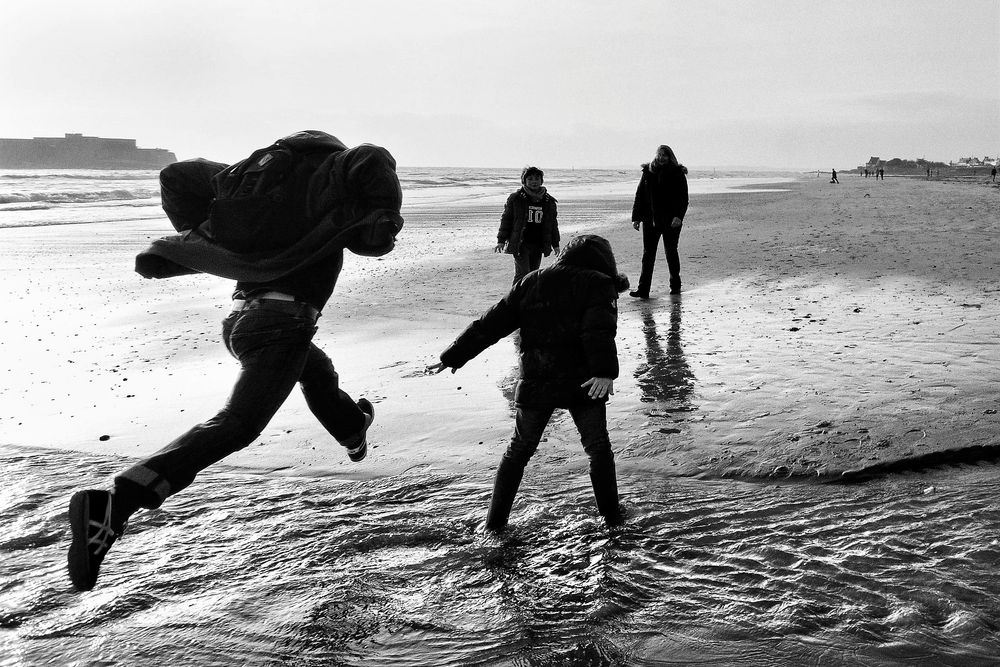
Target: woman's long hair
{"points": [[671, 159]]}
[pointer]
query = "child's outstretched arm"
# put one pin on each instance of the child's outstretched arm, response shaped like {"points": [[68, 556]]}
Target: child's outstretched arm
{"points": [[497, 322], [600, 387], [434, 369]]}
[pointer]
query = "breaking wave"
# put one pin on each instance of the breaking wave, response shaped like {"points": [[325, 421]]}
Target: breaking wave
{"points": [[73, 197]]}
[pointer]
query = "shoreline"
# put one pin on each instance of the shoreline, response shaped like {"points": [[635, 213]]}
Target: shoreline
{"points": [[820, 331]]}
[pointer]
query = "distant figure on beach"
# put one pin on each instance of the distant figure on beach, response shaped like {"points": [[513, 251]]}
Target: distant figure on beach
{"points": [[528, 226], [282, 286], [866, 172], [880, 173], [833, 177], [567, 315], [993, 174], [661, 201]]}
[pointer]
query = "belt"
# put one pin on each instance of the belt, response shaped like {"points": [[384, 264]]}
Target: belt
{"points": [[277, 301]]}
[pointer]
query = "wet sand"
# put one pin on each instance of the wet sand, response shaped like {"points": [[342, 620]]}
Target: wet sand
{"points": [[823, 329]]}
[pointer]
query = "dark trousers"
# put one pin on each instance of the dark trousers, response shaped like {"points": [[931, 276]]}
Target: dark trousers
{"points": [[527, 260], [590, 419], [529, 424], [274, 347], [651, 236]]}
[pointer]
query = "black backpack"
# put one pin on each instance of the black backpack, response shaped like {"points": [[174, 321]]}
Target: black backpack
{"points": [[259, 203]]}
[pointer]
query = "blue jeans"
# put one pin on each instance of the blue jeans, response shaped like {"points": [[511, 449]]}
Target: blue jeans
{"points": [[273, 342], [590, 419]]}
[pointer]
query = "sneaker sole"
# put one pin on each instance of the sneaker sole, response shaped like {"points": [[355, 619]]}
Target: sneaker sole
{"points": [[78, 561]]}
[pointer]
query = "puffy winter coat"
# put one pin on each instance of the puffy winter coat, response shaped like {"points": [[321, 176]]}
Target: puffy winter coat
{"points": [[515, 216], [349, 191], [568, 317]]}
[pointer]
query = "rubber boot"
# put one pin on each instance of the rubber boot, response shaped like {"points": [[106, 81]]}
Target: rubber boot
{"points": [[504, 490], [606, 493]]}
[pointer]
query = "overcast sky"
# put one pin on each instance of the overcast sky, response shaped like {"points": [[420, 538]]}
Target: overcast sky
{"points": [[504, 83]]}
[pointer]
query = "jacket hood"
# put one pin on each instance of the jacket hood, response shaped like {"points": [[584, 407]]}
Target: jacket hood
{"points": [[313, 140], [368, 175], [648, 168], [589, 251]]}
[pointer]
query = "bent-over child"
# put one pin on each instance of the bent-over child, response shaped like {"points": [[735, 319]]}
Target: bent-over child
{"points": [[567, 315]]}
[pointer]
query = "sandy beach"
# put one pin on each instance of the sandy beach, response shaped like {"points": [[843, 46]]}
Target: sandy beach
{"points": [[822, 329], [826, 333]]}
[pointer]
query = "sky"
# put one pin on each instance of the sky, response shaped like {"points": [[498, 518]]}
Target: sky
{"points": [[793, 84]]}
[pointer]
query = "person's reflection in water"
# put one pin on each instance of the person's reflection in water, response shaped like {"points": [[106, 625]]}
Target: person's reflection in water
{"points": [[665, 378]]}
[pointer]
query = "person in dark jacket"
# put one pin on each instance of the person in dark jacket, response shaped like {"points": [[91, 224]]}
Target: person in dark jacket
{"points": [[567, 316], [279, 296], [528, 226], [661, 201]]}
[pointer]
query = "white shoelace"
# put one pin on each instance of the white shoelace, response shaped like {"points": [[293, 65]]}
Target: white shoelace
{"points": [[102, 538]]}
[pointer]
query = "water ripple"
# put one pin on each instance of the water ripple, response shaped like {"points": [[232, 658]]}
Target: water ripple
{"points": [[398, 571]]}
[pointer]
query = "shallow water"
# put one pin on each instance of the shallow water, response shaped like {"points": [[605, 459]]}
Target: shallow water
{"points": [[261, 570]]}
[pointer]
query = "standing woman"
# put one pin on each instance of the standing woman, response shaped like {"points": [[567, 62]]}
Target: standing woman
{"points": [[661, 201]]}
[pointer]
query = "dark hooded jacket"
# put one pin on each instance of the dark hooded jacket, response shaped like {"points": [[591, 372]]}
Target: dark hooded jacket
{"points": [[662, 195], [514, 219], [568, 316], [347, 191]]}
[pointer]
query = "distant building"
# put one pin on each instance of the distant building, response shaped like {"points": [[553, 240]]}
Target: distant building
{"points": [[873, 163], [76, 151], [986, 161]]}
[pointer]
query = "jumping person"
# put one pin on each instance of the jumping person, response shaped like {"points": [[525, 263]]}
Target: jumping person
{"points": [[528, 226], [567, 316], [278, 297]]}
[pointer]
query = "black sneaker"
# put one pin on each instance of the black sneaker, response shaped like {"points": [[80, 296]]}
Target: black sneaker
{"points": [[638, 295], [90, 520], [357, 446]]}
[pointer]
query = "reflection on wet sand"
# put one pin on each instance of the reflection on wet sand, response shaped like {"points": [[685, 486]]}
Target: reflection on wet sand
{"points": [[665, 378]]}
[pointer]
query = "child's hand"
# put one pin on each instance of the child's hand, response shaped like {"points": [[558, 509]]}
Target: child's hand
{"points": [[434, 369], [599, 387], [499, 247]]}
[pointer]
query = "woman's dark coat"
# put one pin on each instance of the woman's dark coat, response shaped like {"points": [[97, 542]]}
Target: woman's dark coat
{"points": [[662, 195]]}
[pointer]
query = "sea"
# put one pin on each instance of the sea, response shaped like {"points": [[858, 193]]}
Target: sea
{"points": [[31, 197], [251, 568]]}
